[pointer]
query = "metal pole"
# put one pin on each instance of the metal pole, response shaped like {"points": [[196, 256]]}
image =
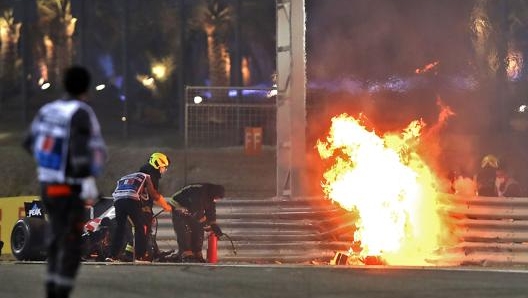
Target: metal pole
{"points": [[237, 66], [25, 59], [186, 135], [124, 63], [181, 70], [237, 57], [82, 48]]}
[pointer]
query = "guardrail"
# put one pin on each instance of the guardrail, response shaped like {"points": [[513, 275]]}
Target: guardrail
{"points": [[491, 230], [273, 230]]}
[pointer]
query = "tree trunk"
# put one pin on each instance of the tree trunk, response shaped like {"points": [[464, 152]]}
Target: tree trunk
{"points": [[218, 60], [8, 58]]}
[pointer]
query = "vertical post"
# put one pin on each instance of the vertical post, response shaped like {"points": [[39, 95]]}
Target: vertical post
{"points": [[124, 66], [83, 22], [25, 49], [291, 111], [284, 61], [181, 71], [237, 65], [185, 108], [237, 57], [298, 99]]}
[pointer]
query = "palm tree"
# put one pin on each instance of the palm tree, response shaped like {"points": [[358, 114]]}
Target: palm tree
{"points": [[154, 46], [214, 17], [258, 51], [58, 25], [9, 58], [497, 31], [482, 28]]}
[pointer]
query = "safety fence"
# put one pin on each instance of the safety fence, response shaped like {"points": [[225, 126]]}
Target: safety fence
{"points": [[231, 120], [219, 116]]}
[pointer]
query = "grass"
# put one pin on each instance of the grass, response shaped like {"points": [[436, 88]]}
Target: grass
{"points": [[242, 175]]}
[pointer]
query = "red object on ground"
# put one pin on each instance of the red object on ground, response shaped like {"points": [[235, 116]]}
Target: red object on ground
{"points": [[212, 248]]}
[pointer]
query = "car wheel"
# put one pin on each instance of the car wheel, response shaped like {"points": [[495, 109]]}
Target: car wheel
{"points": [[27, 239]]}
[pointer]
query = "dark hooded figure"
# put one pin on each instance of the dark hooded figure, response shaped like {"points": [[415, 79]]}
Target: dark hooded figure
{"points": [[193, 209]]}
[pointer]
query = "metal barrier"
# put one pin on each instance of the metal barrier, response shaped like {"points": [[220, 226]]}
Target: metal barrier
{"points": [[271, 230], [490, 230]]}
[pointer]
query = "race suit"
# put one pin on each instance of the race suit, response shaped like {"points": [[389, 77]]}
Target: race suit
{"points": [[66, 143], [131, 192], [155, 176], [194, 207]]}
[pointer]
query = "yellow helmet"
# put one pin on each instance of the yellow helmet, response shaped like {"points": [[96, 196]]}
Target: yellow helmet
{"points": [[158, 160], [490, 160]]}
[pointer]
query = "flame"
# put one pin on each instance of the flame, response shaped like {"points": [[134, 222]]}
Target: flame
{"points": [[388, 184], [427, 67]]}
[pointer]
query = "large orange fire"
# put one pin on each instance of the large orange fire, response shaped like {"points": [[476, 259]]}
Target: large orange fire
{"points": [[390, 186]]}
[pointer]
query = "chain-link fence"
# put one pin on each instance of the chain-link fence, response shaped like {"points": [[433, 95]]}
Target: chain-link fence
{"points": [[235, 127], [218, 116]]}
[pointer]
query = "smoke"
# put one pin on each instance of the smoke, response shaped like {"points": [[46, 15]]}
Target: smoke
{"points": [[363, 57], [374, 39]]}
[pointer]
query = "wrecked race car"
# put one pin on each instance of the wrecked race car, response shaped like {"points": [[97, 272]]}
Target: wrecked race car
{"points": [[28, 233]]}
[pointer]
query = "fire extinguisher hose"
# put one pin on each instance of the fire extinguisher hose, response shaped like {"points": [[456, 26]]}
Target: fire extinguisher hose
{"points": [[232, 244]]}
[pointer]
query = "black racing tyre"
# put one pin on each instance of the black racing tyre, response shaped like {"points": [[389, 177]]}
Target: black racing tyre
{"points": [[27, 239]]}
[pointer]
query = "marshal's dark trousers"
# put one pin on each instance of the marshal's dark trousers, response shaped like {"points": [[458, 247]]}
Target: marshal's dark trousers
{"points": [[129, 208], [65, 211]]}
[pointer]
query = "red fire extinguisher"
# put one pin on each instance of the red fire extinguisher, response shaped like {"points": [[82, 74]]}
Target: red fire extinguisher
{"points": [[212, 247]]}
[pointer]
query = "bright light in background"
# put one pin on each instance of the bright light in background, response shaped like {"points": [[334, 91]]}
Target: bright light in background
{"points": [[272, 92], [522, 109], [159, 71], [45, 86], [147, 81], [162, 68], [100, 87], [198, 99], [3, 31], [123, 119]]}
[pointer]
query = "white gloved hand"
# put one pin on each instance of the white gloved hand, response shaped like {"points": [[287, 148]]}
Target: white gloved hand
{"points": [[89, 190]]}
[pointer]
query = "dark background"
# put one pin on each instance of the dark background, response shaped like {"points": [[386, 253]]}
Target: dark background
{"points": [[367, 56]]}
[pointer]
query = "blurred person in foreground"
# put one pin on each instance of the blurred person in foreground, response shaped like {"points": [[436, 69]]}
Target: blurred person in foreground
{"points": [[65, 140], [134, 197], [193, 210]]}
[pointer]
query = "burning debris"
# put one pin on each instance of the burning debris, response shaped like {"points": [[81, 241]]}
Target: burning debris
{"points": [[427, 68], [391, 187], [353, 259]]}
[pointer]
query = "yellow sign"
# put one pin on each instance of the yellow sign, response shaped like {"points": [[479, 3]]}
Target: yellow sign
{"points": [[11, 210]]}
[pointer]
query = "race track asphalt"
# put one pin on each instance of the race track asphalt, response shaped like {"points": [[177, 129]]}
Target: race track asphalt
{"points": [[100, 280]]}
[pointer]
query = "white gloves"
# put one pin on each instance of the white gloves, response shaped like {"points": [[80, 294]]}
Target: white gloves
{"points": [[89, 189]]}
